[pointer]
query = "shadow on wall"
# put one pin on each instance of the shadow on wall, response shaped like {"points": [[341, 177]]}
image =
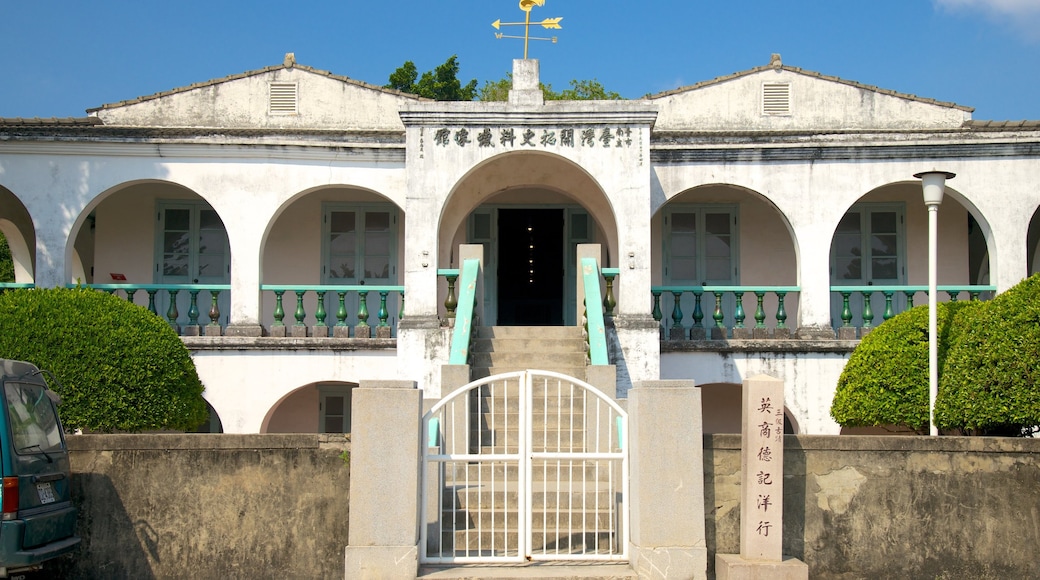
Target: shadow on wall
{"points": [[100, 555]]}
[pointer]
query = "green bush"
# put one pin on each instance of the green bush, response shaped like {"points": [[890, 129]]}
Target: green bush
{"points": [[989, 383], [119, 367], [885, 381]]}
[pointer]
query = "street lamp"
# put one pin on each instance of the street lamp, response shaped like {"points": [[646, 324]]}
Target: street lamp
{"points": [[934, 184]]}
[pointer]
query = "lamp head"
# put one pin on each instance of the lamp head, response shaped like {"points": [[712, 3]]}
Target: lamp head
{"points": [[933, 184]]}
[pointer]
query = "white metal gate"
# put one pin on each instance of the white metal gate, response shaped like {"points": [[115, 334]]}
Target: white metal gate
{"points": [[527, 465]]}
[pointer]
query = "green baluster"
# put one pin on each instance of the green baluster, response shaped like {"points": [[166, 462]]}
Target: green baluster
{"points": [[781, 313], [760, 312], [889, 313], [193, 308], [608, 301], [909, 298], [383, 314], [214, 310], [362, 313], [868, 313], [130, 294], [300, 312], [400, 311], [846, 312], [738, 314], [677, 313], [451, 302], [279, 313], [658, 315], [319, 312], [953, 294], [341, 311], [719, 316], [171, 313], [151, 302], [698, 314], [974, 296]]}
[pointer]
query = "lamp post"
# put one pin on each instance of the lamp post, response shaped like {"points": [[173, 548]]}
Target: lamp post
{"points": [[933, 184]]}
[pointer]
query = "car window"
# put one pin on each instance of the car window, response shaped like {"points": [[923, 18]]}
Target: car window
{"points": [[33, 419]]}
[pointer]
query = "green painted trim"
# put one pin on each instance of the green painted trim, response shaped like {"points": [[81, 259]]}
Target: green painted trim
{"points": [[594, 313], [464, 313], [152, 286], [332, 288], [709, 289], [433, 429], [620, 421], [916, 288], [611, 271], [447, 272], [17, 285]]}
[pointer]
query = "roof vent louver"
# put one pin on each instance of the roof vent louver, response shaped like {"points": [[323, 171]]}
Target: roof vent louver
{"points": [[283, 99], [776, 99]]}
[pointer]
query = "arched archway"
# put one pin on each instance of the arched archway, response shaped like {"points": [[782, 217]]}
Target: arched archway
{"points": [[881, 242], [322, 407], [721, 409], [17, 229], [529, 210], [1033, 244]]}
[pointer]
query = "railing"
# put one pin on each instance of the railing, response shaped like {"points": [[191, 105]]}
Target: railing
{"points": [[463, 334], [172, 292], [728, 317], [339, 295], [595, 333], [862, 302], [4, 286]]}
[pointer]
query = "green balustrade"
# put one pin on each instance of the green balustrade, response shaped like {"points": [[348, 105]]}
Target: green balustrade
{"points": [[338, 294], [865, 312], [174, 291], [719, 314]]}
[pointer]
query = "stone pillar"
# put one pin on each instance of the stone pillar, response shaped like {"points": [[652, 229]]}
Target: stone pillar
{"points": [[761, 489], [666, 450], [383, 542], [526, 91], [474, 252]]}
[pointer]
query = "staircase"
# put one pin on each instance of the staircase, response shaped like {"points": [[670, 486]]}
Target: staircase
{"points": [[503, 349], [574, 507]]}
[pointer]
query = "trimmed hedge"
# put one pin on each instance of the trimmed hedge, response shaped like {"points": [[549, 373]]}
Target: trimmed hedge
{"points": [[119, 367], [885, 381], [991, 380]]}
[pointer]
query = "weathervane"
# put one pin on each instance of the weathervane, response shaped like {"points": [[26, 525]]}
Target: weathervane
{"points": [[526, 6]]}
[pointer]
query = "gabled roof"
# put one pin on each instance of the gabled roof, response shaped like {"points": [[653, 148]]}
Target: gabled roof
{"points": [[288, 63], [776, 64]]}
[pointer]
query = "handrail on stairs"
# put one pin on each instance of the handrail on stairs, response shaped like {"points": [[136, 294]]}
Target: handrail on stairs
{"points": [[596, 334], [460, 340]]}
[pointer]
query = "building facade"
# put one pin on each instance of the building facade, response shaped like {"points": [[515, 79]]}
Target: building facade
{"points": [[300, 228]]}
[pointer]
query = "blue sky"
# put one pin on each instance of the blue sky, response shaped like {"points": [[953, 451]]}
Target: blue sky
{"points": [[62, 57]]}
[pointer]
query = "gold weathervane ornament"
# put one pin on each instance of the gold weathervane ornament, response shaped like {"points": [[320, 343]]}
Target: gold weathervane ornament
{"points": [[526, 6]]}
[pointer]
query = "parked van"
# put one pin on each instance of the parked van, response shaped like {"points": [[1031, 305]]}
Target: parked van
{"points": [[37, 519]]}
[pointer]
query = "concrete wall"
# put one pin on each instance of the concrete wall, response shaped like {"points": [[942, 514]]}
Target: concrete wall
{"points": [[893, 507], [276, 506], [209, 506]]}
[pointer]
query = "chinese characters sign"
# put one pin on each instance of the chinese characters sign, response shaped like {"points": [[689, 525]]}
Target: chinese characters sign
{"points": [[510, 138], [761, 511]]}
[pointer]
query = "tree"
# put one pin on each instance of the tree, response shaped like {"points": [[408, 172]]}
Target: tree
{"points": [[440, 84], [119, 367], [583, 90], [990, 382], [885, 381]]}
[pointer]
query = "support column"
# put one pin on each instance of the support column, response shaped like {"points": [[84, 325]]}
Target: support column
{"points": [[666, 448], [814, 300], [383, 542]]}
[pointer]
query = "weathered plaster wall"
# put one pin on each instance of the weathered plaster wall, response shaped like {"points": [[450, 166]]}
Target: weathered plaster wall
{"points": [[209, 506], [893, 507]]}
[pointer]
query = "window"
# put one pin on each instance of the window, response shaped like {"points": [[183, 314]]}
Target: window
{"points": [[360, 244], [334, 408], [868, 246], [701, 245], [192, 245]]}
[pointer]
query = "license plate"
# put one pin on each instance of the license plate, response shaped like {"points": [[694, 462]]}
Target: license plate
{"points": [[46, 492]]}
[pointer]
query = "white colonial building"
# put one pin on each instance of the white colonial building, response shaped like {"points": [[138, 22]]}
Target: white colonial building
{"points": [[281, 219]]}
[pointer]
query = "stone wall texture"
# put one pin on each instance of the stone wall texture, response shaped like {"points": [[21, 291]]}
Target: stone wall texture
{"points": [[893, 507], [208, 506], [275, 506]]}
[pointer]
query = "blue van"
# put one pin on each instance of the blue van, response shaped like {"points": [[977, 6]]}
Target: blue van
{"points": [[37, 519]]}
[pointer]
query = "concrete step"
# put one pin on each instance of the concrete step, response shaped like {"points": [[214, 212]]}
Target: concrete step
{"points": [[546, 570], [562, 542], [574, 470], [499, 520], [535, 358], [477, 372], [528, 344], [528, 332]]}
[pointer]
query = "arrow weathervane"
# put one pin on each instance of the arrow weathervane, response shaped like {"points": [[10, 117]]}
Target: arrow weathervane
{"points": [[526, 6]]}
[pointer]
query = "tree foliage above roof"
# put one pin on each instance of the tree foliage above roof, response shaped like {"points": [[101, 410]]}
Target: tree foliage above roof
{"points": [[440, 84], [580, 90]]}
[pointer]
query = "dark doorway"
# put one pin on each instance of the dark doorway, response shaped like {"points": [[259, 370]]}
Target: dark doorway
{"points": [[530, 267]]}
